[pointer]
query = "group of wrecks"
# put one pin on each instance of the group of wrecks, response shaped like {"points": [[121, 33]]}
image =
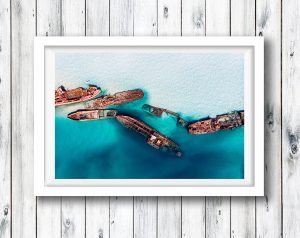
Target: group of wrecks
{"points": [[96, 109]]}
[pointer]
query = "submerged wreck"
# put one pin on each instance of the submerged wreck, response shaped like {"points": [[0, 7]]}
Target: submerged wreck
{"points": [[64, 96], [154, 138], [88, 115], [221, 122], [117, 99], [158, 112]]}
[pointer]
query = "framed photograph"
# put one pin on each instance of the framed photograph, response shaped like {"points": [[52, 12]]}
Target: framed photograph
{"points": [[149, 116]]}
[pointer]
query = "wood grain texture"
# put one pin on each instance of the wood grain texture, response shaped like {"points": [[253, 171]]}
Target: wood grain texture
{"points": [[145, 217], [193, 17], [218, 208], [121, 17], [121, 217], [73, 217], [242, 208], [97, 217], [48, 23], [5, 120], [145, 18], [23, 201], [193, 217], [290, 117], [268, 208], [97, 18], [169, 217], [169, 17]]}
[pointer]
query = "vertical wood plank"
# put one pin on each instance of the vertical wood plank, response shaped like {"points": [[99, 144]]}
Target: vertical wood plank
{"points": [[145, 208], [97, 17], [121, 217], [73, 17], [218, 17], [73, 217], [48, 208], [121, 208], [290, 117], [268, 208], [218, 208], [169, 208], [193, 217], [145, 17], [97, 217], [145, 217], [23, 200], [193, 17], [5, 120], [193, 208], [169, 17], [121, 17], [242, 208], [169, 217], [73, 209]]}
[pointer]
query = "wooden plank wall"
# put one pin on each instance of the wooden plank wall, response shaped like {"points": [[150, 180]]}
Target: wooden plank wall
{"points": [[274, 215]]}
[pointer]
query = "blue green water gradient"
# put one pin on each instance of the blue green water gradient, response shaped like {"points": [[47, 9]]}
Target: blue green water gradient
{"points": [[195, 85]]}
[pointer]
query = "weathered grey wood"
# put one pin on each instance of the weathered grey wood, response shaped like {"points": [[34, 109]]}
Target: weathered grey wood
{"points": [[73, 209], [169, 217], [48, 23], [5, 120], [218, 18], [193, 217], [242, 208], [290, 117], [217, 217], [73, 217], [145, 18], [218, 208], [145, 217], [48, 217], [193, 17], [169, 17], [121, 17], [23, 200], [97, 217], [121, 217], [145, 208], [268, 208], [73, 17], [97, 18], [193, 208]]}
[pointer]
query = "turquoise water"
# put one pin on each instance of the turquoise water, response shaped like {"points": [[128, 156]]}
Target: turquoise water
{"points": [[196, 85]]}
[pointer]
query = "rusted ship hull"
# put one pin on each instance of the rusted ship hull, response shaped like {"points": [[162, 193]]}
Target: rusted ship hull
{"points": [[158, 112], [117, 99], [88, 115], [222, 122], [77, 95], [154, 138]]}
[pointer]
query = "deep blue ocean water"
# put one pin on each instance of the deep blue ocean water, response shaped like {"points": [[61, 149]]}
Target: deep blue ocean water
{"points": [[105, 149]]}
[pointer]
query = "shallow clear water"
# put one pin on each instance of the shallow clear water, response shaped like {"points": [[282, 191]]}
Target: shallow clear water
{"points": [[196, 86]]}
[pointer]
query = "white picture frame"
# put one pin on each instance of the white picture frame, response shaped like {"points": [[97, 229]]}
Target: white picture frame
{"points": [[45, 183]]}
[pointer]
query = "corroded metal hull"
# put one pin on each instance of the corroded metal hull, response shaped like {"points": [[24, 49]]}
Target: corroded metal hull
{"points": [[88, 115], [117, 99], [77, 95], [154, 138], [222, 122]]}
